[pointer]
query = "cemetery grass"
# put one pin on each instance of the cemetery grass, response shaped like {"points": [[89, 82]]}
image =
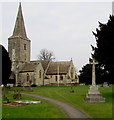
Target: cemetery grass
{"points": [[40, 110], [62, 93]]}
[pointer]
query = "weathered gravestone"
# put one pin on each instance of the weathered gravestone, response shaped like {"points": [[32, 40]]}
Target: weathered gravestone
{"points": [[4, 93], [105, 84], [93, 94], [17, 94], [72, 88]]}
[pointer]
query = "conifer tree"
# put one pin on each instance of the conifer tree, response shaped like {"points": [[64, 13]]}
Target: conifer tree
{"points": [[104, 50], [6, 65]]}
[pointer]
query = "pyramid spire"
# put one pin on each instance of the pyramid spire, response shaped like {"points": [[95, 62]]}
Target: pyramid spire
{"points": [[19, 29]]}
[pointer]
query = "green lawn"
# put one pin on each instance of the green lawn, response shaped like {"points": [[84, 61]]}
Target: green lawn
{"points": [[40, 110], [95, 110]]}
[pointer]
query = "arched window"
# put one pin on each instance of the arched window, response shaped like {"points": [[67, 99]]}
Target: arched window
{"points": [[40, 74], [61, 77], [28, 77], [55, 78], [72, 72], [25, 47]]}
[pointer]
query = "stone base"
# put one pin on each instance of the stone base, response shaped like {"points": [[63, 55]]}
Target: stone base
{"points": [[94, 95]]}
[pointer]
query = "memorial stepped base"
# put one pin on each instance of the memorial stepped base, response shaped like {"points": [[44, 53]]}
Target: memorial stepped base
{"points": [[94, 95]]}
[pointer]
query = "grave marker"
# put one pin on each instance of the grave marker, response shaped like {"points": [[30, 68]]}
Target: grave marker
{"points": [[93, 94]]}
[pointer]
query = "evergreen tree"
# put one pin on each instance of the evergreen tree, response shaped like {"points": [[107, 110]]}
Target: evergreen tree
{"points": [[6, 65], [86, 74], [104, 50]]}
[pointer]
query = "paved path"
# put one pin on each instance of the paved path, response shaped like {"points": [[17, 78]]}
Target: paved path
{"points": [[68, 109]]}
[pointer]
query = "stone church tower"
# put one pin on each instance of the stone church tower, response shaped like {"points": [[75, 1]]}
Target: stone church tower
{"points": [[39, 72], [19, 45]]}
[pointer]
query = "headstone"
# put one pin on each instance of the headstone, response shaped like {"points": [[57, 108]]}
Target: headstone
{"points": [[93, 94], [72, 87], [17, 94], [105, 84], [4, 98], [23, 88], [30, 89], [82, 84]]}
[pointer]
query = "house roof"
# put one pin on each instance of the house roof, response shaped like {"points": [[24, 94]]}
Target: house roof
{"points": [[58, 67], [53, 68], [29, 67], [43, 62]]}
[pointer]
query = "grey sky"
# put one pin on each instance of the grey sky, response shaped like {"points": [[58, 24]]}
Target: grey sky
{"points": [[62, 27]]}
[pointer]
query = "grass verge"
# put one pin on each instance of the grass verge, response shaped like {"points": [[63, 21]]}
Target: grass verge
{"points": [[41, 110], [62, 93]]}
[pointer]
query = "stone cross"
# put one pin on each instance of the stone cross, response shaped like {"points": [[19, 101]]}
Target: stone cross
{"points": [[93, 62], [94, 94]]}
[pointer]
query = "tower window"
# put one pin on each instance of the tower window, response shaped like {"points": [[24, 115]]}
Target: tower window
{"points": [[25, 47]]}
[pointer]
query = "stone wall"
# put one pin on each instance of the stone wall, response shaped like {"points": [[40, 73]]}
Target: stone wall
{"points": [[39, 75]]}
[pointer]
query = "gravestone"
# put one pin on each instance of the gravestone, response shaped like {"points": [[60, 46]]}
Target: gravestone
{"points": [[17, 94], [30, 89], [4, 98], [23, 88], [4, 93], [93, 94], [72, 88], [105, 84]]}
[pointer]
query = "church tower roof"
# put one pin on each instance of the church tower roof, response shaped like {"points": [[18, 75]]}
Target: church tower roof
{"points": [[19, 29]]}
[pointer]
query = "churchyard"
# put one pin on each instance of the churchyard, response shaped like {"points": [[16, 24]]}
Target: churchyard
{"points": [[40, 110], [46, 109]]}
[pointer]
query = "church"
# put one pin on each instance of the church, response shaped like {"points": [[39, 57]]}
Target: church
{"points": [[40, 72]]}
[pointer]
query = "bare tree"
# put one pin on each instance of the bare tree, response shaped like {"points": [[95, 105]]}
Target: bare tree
{"points": [[46, 55]]}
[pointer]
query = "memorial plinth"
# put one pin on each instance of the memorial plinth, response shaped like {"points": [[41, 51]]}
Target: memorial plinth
{"points": [[93, 94]]}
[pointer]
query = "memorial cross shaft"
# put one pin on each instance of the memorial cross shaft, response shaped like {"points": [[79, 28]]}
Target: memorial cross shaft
{"points": [[94, 94], [93, 62]]}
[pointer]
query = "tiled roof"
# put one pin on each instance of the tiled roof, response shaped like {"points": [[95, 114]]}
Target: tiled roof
{"points": [[29, 67], [58, 67], [54, 67], [43, 62]]}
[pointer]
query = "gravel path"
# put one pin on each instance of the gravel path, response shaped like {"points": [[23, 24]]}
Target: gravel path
{"points": [[68, 109]]}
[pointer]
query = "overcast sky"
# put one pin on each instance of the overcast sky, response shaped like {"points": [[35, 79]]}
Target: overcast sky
{"points": [[65, 28]]}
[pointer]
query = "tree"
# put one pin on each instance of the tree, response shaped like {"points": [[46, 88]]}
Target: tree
{"points": [[86, 74], [46, 55], [104, 50], [6, 65]]}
